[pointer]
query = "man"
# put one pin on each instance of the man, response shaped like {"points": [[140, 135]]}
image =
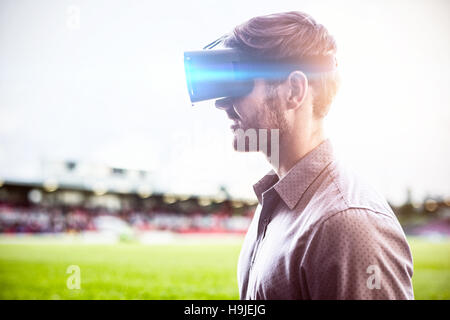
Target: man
{"points": [[319, 231]]}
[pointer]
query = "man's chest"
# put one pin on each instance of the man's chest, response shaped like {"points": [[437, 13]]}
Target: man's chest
{"points": [[270, 260]]}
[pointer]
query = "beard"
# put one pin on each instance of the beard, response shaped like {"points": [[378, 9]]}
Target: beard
{"points": [[264, 128]]}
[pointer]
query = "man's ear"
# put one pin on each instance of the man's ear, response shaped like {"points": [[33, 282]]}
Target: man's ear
{"points": [[298, 89]]}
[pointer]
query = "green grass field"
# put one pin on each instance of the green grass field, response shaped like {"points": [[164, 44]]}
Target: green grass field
{"points": [[133, 271]]}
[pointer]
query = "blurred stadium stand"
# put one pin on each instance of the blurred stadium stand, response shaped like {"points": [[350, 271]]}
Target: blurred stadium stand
{"points": [[73, 198]]}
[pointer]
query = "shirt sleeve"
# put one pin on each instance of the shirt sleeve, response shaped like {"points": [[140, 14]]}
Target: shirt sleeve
{"points": [[358, 254]]}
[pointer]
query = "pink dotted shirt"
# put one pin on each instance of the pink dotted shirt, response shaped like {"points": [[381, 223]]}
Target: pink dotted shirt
{"points": [[322, 233]]}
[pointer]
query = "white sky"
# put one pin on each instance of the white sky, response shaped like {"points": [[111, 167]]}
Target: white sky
{"points": [[113, 91]]}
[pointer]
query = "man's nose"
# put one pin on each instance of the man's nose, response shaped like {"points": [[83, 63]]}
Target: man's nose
{"points": [[224, 103]]}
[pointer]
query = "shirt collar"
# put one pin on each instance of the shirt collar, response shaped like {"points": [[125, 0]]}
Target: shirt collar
{"points": [[264, 184], [294, 184]]}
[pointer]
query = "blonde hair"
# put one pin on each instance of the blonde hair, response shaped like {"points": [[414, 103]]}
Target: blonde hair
{"points": [[287, 35]]}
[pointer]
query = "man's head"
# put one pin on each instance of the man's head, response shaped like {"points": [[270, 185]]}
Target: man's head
{"points": [[300, 98]]}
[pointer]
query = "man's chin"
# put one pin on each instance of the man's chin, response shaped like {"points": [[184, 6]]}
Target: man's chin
{"points": [[259, 140], [243, 147]]}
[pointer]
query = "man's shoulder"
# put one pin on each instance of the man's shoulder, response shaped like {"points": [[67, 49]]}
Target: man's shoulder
{"points": [[345, 190]]}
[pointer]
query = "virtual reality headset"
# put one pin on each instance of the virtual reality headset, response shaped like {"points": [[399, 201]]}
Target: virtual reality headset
{"points": [[224, 73]]}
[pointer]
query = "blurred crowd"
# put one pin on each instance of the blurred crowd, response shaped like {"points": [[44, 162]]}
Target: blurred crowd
{"points": [[36, 219]]}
